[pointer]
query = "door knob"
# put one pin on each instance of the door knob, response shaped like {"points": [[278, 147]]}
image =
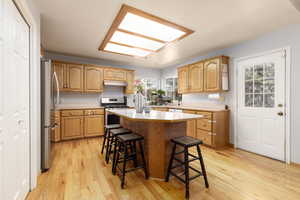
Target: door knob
{"points": [[280, 113]]}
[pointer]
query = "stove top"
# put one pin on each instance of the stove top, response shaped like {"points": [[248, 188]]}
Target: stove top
{"points": [[119, 102]]}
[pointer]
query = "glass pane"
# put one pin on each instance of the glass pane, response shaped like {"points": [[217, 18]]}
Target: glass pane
{"points": [[136, 41], [147, 27], [249, 73], [249, 100], [249, 87], [269, 100], [269, 70], [258, 86], [258, 100], [258, 72], [269, 86], [126, 50]]}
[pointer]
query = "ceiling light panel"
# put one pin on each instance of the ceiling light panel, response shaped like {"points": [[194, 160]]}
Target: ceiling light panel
{"points": [[126, 50], [137, 33], [132, 40], [150, 28]]}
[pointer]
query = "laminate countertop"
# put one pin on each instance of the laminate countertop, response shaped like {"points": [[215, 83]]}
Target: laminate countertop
{"points": [[186, 107], [154, 115], [77, 106]]}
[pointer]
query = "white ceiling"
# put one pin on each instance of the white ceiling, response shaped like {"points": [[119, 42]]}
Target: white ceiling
{"points": [[77, 27]]}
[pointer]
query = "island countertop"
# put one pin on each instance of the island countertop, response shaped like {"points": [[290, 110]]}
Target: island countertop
{"points": [[154, 115]]}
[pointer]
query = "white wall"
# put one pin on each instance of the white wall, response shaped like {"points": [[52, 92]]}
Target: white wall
{"points": [[288, 36]]}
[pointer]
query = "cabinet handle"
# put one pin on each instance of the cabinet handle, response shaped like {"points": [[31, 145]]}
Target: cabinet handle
{"points": [[210, 133], [211, 121]]}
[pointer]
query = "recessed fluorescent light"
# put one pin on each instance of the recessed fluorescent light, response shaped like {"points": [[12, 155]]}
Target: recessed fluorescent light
{"points": [[137, 33], [132, 40], [114, 48], [150, 28]]}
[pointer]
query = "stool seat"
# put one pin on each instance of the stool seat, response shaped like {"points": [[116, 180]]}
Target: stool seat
{"points": [[130, 137], [186, 141], [119, 131], [113, 126]]}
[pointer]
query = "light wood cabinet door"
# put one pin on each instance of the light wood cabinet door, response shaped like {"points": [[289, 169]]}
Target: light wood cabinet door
{"points": [[93, 79], [60, 70], [205, 136], [114, 74], [212, 75], [75, 77], [94, 125], [196, 78], [130, 82], [183, 80], [191, 124], [72, 127]]}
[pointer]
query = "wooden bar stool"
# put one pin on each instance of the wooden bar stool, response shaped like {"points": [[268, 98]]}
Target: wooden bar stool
{"points": [[123, 155], [186, 142], [111, 140], [106, 133]]}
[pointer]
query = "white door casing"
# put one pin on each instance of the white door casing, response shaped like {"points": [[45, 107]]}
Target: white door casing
{"points": [[14, 104], [261, 97]]}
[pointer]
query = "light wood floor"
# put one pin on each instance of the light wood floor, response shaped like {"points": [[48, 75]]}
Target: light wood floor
{"points": [[79, 172]]}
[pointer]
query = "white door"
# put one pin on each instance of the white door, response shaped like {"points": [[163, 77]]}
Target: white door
{"points": [[261, 105], [14, 103]]}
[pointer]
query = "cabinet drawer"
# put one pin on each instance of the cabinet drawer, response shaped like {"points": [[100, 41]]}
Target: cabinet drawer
{"points": [[207, 115], [94, 112], [69, 113], [204, 124], [205, 136], [189, 111]]}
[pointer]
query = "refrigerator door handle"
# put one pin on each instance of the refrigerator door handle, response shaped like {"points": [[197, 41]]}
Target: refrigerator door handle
{"points": [[54, 77]]}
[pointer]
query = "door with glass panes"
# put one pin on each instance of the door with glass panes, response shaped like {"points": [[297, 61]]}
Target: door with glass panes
{"points": [[261, 105]]}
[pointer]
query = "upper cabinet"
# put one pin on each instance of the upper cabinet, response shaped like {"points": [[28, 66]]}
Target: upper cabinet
{"points": [[89, 78], [74, 77], [130, 82], [196, 80], [210, 75], [93, 79], [183, 80], [114, 74]]}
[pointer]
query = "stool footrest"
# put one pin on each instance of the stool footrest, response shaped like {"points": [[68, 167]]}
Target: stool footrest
{"points": [[179, 178]]}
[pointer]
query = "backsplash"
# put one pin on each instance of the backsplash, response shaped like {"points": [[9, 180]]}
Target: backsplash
{"points": [[91, 98]]}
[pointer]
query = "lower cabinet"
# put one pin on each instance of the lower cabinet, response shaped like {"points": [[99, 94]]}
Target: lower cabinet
{"points": [[81, 123], [191, 124], [72, 127], [94, 125]]}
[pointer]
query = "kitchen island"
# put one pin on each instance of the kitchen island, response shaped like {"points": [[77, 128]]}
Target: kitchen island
{"points": [[157, 128]]}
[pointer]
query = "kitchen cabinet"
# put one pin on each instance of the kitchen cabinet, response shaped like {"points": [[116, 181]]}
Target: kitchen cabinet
{"points": [[93, 79], [72, 127], [183, 80], [210, 75], [130, 82], [196, 78], [89, 78], [215, 74], [74, 77], [191, 124], [114, 74], [93, 125], [80, 123]]}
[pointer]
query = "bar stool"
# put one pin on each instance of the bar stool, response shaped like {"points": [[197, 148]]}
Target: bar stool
{"points": [[111, 140], [186, 142], [123, 142], [106, 133]]}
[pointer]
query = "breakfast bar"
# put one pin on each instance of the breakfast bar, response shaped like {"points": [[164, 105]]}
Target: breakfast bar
{"points": [[157, 128]]}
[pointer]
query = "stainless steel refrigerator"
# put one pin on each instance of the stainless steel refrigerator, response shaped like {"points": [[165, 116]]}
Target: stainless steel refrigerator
{"points": [[49, 98]]}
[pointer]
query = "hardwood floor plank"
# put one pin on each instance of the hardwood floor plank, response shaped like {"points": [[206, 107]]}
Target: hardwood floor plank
{"points": [[80, 172]]}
